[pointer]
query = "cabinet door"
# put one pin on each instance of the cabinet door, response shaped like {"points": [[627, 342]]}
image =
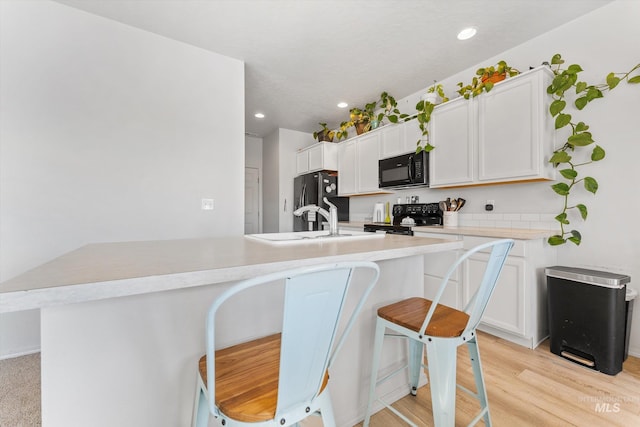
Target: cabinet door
{"points": [[302, 162], [367, 155], [506, 308], [347, 168], [412, 134], [391, 141], [316, 158], [452, 133], [509, 130]]}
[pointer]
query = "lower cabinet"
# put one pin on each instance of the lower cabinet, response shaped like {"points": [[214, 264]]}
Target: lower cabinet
{"points": [[517, 310]]}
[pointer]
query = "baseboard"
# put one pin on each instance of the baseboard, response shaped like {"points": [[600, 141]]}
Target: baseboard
{"points": [[19, 353]]}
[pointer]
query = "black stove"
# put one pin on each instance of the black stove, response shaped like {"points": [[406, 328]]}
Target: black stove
{"points": [[406, 216]]}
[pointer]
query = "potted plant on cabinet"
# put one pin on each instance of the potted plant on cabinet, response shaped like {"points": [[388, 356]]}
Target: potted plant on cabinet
{"points": [[485, 78], [324, 134], [435, 94]]}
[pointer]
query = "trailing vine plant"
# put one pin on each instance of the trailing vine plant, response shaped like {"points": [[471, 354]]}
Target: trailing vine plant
{"points": [[565, 80]]}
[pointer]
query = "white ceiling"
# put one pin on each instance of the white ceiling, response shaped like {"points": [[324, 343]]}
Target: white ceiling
{"points": [[304, 56]]}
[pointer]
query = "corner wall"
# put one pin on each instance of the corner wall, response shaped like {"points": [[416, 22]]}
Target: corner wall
{"points": [[108, 133]]}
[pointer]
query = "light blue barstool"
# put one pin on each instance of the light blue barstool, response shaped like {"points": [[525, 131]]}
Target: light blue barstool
{"points": [[280, 379], [441, 329]]}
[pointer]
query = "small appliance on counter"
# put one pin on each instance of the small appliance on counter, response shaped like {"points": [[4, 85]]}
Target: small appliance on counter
{"points": [[378, 213], [406, 216]]}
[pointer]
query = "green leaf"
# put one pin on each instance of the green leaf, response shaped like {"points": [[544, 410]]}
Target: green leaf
{"points": [[593, 93], [583, 210], [556, 107], [597, 153], [560, 157], [580, 87], [556, 240], [557, 59], [581, 102], [569, 173], [488, 86], [561, 188], [562, 218], [634, 80], [420, 106], [574, 69], [612, 80], [581, 127], [580, 139], [428, 147], [576, 237], [393, 119], [590, 184], [562, 120]]}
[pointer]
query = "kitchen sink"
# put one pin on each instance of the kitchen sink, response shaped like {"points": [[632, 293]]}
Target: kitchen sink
{"points": [[311, 236]]}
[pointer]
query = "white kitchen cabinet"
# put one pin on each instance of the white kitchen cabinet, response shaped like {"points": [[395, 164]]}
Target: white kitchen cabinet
{"points": [[507, 308], [320, 156], [452, 132], [517, 310], [347, 163], [397, 139], [358, 165], [505, 135]]}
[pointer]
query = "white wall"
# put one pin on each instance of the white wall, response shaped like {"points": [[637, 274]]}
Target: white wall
{"points": [[602, 41], [279, 163], [109, 133]]}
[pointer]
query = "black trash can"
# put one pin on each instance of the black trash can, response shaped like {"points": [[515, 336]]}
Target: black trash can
{"points": [[588, 317]]}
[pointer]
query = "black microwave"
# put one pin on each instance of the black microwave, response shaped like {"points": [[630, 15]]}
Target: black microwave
{"points": [[408, 170]]}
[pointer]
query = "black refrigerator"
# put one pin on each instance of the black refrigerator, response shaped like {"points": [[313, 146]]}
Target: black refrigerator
{"points": [[310, 189]]}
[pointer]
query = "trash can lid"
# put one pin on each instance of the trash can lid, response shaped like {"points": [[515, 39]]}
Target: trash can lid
{"points": [[591, 277], [631, 294]]}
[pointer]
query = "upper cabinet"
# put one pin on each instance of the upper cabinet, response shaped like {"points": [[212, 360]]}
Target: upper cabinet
{"points": [[358, 165], [399, 139], [505, 135], [320, 156]]}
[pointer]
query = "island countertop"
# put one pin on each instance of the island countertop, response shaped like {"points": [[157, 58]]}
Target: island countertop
{"points": [[108, 270]]}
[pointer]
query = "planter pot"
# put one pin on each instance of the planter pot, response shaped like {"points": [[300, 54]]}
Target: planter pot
{"points": [[325, 136], [432, 98], [361, 127], [494, 78]]}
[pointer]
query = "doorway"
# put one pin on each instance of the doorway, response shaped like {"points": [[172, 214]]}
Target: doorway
{"points": [[252, 201]]}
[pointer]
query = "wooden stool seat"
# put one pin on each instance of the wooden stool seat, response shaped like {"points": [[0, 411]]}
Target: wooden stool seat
{"points": [[410, 313], [247, 379]]}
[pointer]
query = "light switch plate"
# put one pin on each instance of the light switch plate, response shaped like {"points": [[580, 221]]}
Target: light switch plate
{"points": [[207, 204]]}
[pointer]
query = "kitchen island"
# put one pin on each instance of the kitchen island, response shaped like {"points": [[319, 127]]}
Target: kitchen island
{"points": [[122, 324]]}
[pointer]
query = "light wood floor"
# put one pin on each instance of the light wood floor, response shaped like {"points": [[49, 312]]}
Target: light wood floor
{"points": [[533, 388]]}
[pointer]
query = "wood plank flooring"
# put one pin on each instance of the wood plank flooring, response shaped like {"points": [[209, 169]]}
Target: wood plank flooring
{"points": [[533, 388]]}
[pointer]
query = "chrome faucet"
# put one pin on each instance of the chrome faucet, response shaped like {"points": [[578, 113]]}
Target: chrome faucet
{"points": [[331, 216]]}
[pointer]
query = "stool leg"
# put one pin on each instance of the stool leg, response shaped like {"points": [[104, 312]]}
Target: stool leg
{"points": [[377, 352], [441, 355], [415, 362], [326, 410], [476, 364], [200, 406]]}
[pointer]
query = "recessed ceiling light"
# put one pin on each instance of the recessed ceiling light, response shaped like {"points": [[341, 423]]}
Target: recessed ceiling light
{"points": [[467, 33], [259, 115], [342, 105]]}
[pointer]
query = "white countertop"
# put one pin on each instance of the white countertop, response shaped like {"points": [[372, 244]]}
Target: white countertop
{"points": [[107, 270], [499, 233]]}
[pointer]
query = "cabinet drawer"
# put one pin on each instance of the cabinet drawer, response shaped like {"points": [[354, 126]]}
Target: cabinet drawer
{"points": [[437, 264]]}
